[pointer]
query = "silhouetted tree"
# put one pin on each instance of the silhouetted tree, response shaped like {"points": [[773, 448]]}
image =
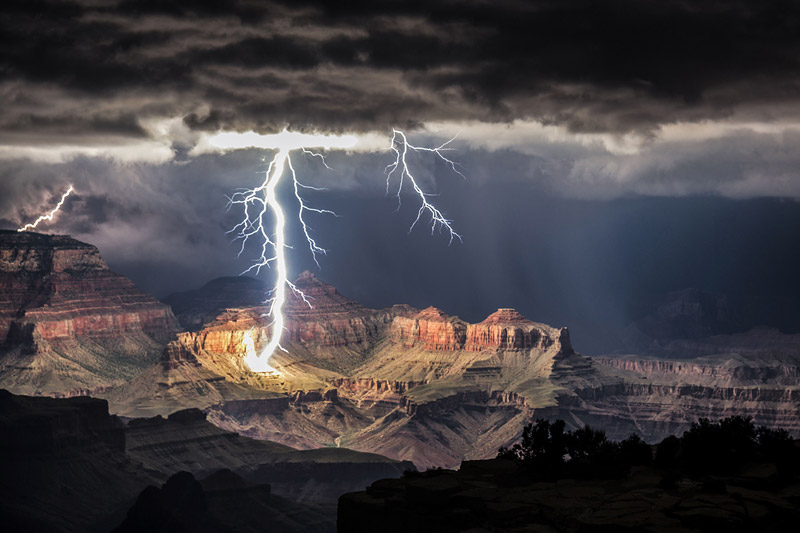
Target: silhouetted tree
{"points": [[635, 452], [776, 445], [719, 447], [548, 451], [542, 448], [667, 452]]}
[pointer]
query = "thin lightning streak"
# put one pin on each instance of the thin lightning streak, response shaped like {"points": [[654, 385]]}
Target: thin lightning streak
{"points": [[312, 244], [50, 215], [261, 201], [400, 146]]}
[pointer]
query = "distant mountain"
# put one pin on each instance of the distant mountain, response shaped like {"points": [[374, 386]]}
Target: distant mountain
{"points": [[197, 307], [67, 323]]}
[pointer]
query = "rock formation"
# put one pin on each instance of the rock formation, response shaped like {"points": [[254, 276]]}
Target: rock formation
{"points": [[69, 324], [373, 380]]}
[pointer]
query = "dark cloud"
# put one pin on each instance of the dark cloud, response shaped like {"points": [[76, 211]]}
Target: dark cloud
{"points": [[594, 66]]}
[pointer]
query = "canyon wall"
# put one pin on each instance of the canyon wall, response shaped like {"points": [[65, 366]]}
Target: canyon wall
{"points": [[67, 321]]}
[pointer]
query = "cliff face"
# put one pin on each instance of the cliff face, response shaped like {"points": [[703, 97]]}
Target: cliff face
{"points": [[505, 329], [431, 329], [372, 380], [330, 319], [67, 322], [69, 453]]}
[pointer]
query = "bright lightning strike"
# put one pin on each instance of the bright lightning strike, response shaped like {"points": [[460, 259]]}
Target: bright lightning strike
{"points": [[262, 202], [400, 146], [49, 216], [251, 358]]}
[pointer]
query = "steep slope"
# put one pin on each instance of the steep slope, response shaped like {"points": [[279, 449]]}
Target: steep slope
{"points": [[324, 341], [67, 323]]}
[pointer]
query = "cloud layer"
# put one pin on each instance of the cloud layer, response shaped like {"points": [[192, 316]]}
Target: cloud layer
{"points": [[102, 66]]}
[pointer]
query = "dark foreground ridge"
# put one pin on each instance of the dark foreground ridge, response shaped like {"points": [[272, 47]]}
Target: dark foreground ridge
{"points": [[67, 465], [725, 476]]}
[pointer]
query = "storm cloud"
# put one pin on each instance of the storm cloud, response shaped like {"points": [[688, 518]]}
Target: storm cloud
{"points": [[623, 66], [575, 121]]}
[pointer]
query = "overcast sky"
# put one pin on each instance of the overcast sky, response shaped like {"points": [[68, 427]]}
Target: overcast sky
{"points": [[612, 151]]}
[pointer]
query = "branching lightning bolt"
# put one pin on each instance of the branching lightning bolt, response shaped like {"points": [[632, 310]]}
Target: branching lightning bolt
{"points": [[262, 202], [50, 215], [400, 146]]}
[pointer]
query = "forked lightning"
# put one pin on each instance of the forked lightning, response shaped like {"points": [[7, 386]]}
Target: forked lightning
{"points": [[262, 202]]}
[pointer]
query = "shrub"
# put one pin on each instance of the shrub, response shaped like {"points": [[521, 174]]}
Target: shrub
{"points": [[667, 452], [635, 451], [542, 448], [719, 447]]}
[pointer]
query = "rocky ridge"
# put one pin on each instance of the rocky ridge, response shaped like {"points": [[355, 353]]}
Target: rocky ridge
{"points": [[367, 379], [70, 466], [67, 322]]}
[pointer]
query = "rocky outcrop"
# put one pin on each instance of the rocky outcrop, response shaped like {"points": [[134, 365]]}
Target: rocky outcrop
{"points": [[68, 322], [330, 319], [431, 329], [505, 329]]}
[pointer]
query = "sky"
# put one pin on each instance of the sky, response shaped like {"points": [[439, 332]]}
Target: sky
{"points": [[611, 152]]}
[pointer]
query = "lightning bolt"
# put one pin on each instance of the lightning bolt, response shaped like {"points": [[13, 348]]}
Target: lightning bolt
{"points": [[400, 146], [50, 215], [261, 202]]}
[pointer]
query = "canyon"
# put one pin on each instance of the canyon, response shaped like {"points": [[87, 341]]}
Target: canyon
{"points": [[423, 386]]}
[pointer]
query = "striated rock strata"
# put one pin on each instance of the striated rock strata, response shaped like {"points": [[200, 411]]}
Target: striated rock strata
{"points": [[67, 322]]}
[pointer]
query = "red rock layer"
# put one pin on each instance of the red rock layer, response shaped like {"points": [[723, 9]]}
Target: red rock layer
{"points": [[432, 329], [330, 319], [505, 329], [62, 289]]}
